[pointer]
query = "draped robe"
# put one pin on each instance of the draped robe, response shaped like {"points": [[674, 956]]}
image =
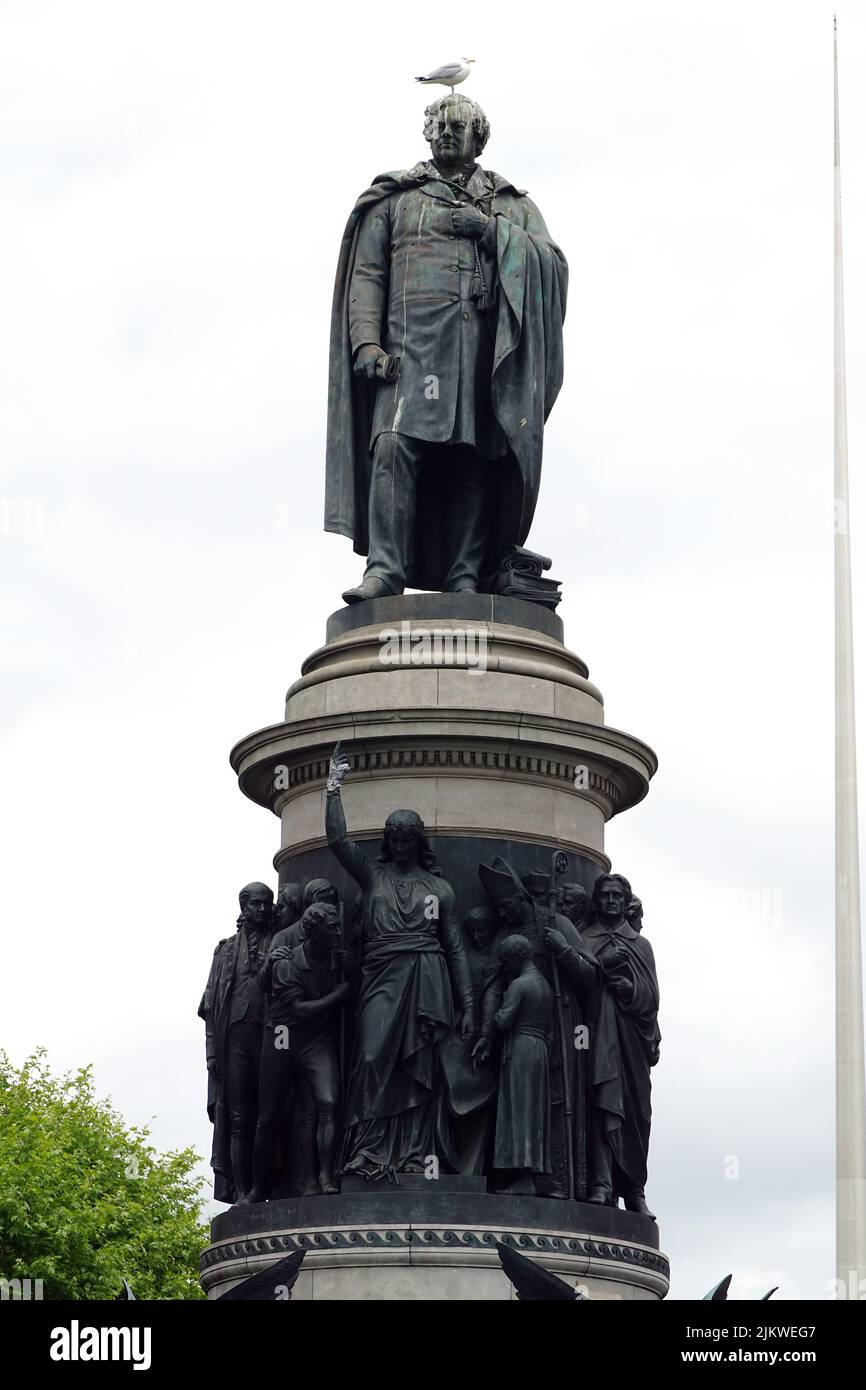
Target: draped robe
{"points": [[625, 1046], [411, 949]]}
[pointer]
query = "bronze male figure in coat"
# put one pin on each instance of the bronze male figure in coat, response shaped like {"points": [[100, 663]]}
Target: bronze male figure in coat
{"points": [[446, 358]]}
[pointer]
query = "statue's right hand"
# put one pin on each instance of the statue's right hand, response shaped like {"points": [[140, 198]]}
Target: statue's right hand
{"points": [[555, 941], [369, 357], [213, 1068], [337, 769]]}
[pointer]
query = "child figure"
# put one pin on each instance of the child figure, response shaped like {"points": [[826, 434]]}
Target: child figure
{"points": [[522, 1138]]}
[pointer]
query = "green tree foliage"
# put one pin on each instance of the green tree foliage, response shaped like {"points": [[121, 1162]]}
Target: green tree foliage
{"points": [[85, 1201]]}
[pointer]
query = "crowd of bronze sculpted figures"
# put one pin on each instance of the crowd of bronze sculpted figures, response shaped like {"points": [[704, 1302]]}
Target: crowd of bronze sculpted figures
{"points": [[389, 1036]]}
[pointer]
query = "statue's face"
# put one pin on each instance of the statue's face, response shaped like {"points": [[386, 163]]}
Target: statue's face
{"points": [[512, 910], [453, 142], [481, 931], [402, 844], [610, 902], [573, 904], [325, 933], [288, 911], [258, 908], [512, 963]]}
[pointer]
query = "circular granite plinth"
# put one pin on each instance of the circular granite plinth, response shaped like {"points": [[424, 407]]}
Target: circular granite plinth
{"points": [[419, 1242], [465, 707], [421, 608]]}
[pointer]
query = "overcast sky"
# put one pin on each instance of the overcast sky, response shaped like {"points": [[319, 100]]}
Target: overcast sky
{"points": [[174, 181]]}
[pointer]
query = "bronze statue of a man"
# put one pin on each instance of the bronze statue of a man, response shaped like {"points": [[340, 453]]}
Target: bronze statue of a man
{"points": [[625, 1046], [300, 1045], [445, 361], [233, 1009]]}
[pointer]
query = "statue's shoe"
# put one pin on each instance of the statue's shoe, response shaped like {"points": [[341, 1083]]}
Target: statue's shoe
{"points": [[466, 586], [553, 1193], [372, 587], [637, 1203], [599, 1196]]}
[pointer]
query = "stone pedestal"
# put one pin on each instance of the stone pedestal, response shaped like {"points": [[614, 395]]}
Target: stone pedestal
{"points": [[491, 730], [435, 1240], [469, 709]]}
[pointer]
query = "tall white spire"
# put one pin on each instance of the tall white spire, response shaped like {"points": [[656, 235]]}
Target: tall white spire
{"points": [[850, 1073]]}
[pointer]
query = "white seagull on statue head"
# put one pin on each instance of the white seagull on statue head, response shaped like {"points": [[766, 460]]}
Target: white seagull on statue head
{"points": [[450, 74]]}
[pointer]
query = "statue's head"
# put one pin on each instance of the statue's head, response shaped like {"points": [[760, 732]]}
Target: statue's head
{"points": [[537, 885], [514, 951], [257, 904], [513, 910], [633, 911], [404, 840], [573, 902], [626, 886], [289, 905], [321, 924], [320, 890], [480, 926], [457, 130], [609, 898], [507, 894], [634, 914]]}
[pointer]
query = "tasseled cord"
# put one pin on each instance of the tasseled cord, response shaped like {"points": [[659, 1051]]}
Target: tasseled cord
{"points": [[478, 290]]}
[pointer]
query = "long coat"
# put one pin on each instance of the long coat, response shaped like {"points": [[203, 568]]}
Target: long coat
{"points": [[625, 1047], [411, 293], [412, 286], [214, 1009]]}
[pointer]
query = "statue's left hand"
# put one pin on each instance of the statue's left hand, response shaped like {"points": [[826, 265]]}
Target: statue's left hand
{"points": [[480, 1052], [469, 222], [467, 1025], [337, 769]]}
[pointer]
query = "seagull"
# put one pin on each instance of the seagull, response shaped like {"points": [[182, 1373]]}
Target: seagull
{"points": [[450, 74]]}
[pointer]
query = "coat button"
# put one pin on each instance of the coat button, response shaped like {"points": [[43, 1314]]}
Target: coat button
{"points": [[452, 236], [466, 316]]}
